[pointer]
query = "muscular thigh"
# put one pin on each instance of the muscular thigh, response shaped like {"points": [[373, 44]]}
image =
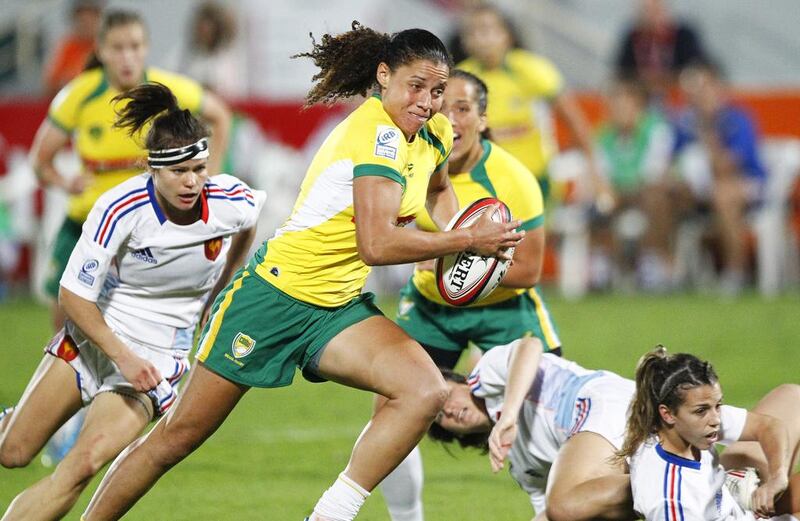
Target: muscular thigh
{"points": [[376, 355], [583, 457], [51, 398]]}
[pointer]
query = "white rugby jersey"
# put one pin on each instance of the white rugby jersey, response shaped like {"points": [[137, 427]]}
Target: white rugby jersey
{"points": [[550, 414], [667, 487], [148, 275]]}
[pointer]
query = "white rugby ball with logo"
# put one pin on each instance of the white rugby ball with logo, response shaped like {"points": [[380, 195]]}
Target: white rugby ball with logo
{"points": [[463, 278]]}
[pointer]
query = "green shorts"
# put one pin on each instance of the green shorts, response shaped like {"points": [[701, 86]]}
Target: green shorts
{"points": [[257, 334], [451, 329], [67, 238]]}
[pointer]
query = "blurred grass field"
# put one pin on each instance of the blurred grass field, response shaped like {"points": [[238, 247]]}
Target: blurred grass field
{"points": [[281, 448]]}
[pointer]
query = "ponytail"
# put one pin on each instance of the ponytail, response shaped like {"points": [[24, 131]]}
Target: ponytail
{"points": [[172, 126], [661, 379]]}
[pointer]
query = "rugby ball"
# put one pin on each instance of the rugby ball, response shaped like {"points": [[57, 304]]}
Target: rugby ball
{"points": [[463, 278]]}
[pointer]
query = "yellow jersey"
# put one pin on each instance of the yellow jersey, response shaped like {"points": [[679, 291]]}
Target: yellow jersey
{"points": [[513, 88], [500, 175], [83, 109], [313, 256]]}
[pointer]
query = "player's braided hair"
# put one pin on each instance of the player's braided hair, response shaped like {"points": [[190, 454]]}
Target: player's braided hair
{"points": [[661, 379], [172, 126], [477, 440], [347, 62], [482, 91]]}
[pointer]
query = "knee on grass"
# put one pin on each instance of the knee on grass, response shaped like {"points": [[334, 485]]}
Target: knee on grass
{"points": [[14, 454]]}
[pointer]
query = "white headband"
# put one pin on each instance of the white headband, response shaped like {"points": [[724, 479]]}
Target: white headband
{"points": [[173, 156]]}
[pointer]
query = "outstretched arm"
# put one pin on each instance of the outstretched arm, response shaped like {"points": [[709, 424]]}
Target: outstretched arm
{"points": [[522, 366], [216, 113]]}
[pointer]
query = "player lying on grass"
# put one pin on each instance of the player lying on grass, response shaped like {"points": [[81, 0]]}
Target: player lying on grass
{"points": [[561, 427], [154, 251], [676, 419]]}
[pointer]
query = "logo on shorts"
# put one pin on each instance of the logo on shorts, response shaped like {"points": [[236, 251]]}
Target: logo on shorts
{"points": [[404, 306], [242, 345], [88, 267], [387, 139], [213, 247], [66, 348]]}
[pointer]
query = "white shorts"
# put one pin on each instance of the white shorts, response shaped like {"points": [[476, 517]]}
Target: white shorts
{"points": [[602, 407], [96, 373]]}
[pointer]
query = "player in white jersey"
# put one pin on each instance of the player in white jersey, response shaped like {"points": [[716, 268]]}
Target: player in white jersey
{"points": [[545, 401], [152, 256], [676, 419]]}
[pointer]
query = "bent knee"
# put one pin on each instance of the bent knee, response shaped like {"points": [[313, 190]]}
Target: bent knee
{"points": [[429, 398], [559, 511], [15, 455]]}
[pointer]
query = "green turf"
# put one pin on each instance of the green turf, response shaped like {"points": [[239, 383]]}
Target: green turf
{"points": [[281, 448]]}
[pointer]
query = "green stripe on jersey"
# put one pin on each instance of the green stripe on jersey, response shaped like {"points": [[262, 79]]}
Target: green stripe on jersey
{"points": [[381, 171]]}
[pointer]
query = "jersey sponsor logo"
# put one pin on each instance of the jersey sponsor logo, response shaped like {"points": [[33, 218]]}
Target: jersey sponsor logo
{"points": [[144, 255], [242, 345], [212, 248], [85, 274], [387, 140]]}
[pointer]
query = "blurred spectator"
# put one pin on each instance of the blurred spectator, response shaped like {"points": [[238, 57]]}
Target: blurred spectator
{"points": [[717, 146], [634, 150], [517, 80], [657, 47], [209, 57], [9, 247], [73, 51]]}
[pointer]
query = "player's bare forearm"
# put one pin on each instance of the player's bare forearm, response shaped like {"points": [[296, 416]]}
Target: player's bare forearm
{"points": [[219, 119], [442, 203], [86, 315], [526, 267], [522, 369], [237, 254], [380, 241]]}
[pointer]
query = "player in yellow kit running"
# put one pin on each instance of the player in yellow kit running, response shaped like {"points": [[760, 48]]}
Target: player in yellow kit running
{"points": [[477, 168], [298, 303]]}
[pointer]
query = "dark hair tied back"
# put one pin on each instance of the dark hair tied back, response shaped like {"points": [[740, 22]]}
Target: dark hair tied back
{"points": [[172, 126]]}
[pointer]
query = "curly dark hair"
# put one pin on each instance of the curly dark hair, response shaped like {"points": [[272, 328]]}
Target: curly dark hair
{"points": [[172, 126], [347, 62], [475, 440]]}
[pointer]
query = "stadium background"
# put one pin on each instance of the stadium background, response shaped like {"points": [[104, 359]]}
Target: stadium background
{"points": [[280, 448]]}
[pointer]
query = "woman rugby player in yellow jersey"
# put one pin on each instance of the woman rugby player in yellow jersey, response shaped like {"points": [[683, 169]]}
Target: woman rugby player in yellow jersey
{"points": [[299, 301], [477, 168], [516, 79], [83, 113]]}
